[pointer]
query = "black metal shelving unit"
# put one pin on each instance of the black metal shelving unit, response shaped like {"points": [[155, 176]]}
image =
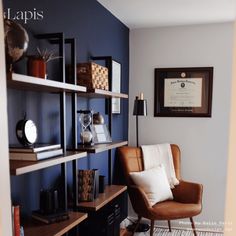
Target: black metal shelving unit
{"points": [[64, 88], [115, 196], [24, 82]]}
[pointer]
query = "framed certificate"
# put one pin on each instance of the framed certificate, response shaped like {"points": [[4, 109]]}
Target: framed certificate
{"points": [[183, 92]]}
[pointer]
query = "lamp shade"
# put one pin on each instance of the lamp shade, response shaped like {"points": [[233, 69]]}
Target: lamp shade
{"points": [[140, 107]]}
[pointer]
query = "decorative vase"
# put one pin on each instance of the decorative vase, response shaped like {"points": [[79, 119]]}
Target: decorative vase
{"points": [[37, 67]]}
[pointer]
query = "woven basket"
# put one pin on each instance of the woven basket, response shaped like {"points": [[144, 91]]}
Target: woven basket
{"points": [[92, 76]]}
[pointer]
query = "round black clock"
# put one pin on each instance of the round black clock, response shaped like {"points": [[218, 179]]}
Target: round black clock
{"points": [[26, 132]]}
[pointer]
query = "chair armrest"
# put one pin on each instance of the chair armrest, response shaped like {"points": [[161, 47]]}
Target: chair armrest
{"points": [[138, 200], [187, 192]]}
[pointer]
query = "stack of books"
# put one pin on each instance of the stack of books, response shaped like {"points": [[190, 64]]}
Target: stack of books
{"points": [[35, 153]]}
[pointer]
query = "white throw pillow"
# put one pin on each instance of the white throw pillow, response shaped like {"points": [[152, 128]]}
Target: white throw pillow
{"points": [[155, 184]]}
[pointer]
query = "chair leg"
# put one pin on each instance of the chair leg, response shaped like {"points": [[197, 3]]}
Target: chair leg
{"points": [[152, 228], [137, 224], [193, 226], [169, 225]]}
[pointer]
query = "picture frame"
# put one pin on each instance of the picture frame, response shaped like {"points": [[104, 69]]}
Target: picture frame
{"points": [[116, 85], [100, 133], [183, 92]]}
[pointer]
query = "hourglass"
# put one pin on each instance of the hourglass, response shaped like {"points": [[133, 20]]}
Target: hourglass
{"points": [[86, 119]]}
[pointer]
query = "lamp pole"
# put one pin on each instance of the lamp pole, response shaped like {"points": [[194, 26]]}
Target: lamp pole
{"points": [[140, 109], [137, 143]]}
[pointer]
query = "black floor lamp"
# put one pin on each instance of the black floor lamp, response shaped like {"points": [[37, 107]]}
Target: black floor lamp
{"points": [[140, 109]]}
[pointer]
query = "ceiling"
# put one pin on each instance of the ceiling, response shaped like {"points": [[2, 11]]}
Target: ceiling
{"points": [[154, 13]]}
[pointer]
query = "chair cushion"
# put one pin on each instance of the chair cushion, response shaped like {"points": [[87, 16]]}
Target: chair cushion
{"points": [[155, 184], [174, 210]]}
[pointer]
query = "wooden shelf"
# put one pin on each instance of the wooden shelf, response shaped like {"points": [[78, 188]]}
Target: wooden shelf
{"points": [[99, 93], [22, 167], [37, 228], [102, 147], [110, 193], [25, 82]]}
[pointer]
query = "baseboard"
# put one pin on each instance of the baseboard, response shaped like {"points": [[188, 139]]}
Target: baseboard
{"points": [[180, 225]]}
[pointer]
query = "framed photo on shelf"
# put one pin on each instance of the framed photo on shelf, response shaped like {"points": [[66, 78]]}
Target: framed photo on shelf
{"points": [[116, 84], [183, 92], [100, 134]]}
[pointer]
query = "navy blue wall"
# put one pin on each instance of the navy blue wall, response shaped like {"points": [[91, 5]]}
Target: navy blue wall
{"points": [[98, 33]]}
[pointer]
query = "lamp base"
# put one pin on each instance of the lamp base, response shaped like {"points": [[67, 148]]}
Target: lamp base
{"points": [[141, 228]]}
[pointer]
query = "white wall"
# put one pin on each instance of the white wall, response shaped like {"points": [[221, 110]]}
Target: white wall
{"points": [[203, 141], [5, 203]]}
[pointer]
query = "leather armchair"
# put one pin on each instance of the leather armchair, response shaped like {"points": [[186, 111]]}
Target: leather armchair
{"points": [[187, 200]]}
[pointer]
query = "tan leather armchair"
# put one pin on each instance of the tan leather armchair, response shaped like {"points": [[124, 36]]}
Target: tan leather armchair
{"points": [[187, 200]]}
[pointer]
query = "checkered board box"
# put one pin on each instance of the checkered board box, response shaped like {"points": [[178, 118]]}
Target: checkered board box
{"points": [[92, 76]]}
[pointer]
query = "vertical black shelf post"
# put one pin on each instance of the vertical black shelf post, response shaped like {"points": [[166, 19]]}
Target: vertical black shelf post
{"points": [[73, 80], [63, 115], [108, 64], [58, 38], [109, 105], [73, 75]]}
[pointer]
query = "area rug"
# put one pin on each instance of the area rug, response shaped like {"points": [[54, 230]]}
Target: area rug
{"points": [[177, 232]]}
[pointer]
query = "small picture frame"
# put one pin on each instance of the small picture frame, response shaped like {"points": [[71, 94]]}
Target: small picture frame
{"points": [[116, 84], [100, 134]]}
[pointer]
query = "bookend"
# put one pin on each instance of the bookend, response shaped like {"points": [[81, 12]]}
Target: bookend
{"points": [[49, 211]]}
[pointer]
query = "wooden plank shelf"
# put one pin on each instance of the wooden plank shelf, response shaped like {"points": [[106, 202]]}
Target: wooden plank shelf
{"points": [[99, 93], [111, 192], [37, 228], [102, 147], [25, 82], [23, 167]]}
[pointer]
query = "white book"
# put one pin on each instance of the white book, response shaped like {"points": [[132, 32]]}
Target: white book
{"points": [[26, 156], [34, 148]]}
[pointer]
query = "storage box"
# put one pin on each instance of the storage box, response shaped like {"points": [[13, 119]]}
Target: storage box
{"points": [[92, 76]]}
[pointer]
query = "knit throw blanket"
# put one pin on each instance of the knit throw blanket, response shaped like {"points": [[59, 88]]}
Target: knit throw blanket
{"points": [[154, 155]]}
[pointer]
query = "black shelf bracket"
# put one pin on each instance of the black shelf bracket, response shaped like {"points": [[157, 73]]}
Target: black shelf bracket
{"points": [[72, 43]]}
